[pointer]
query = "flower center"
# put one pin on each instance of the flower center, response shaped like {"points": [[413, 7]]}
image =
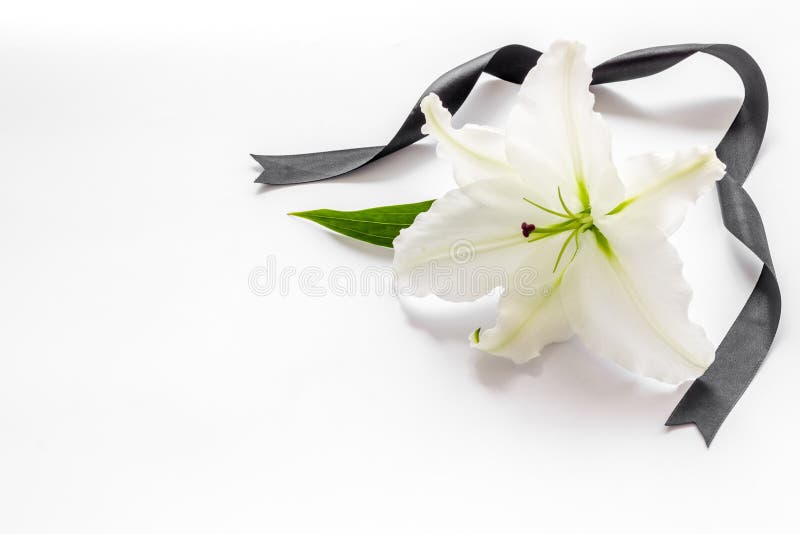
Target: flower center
{"points": [[574, 223]]}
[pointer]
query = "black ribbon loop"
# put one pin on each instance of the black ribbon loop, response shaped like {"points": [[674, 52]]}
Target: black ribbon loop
{"points": [[711, 397], [510, 63]]}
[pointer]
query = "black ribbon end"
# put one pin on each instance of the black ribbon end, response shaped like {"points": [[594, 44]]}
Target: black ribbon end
{"points": [[302, 168], [262, 178], [708, 434], [703, 406]]}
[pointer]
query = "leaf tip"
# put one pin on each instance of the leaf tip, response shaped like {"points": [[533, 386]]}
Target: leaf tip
{"points": [[475, 338]]}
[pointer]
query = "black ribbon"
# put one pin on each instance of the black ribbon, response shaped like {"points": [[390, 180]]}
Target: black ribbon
{"points": [[711, 397]]}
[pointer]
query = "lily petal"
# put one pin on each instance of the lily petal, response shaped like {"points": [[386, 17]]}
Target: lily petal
{"points": [[625, 296], [476, 152], [530, 315], [660, 187], [468, 242], [555, 137]]}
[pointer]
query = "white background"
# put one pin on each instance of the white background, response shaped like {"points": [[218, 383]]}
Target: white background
{"points": [[144, 387]]}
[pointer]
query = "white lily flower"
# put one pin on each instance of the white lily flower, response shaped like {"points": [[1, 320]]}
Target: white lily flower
{"points": [[545, 197]]}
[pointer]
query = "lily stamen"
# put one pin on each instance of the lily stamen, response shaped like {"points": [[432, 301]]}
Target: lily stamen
{"points": [[527, 229], [564, 204], [548, 210]]}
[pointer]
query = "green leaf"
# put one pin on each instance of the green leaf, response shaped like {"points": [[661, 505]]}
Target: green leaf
{"points": [[378, 226]]}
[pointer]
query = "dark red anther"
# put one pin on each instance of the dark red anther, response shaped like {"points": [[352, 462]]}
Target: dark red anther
{"points": [[527, 229]]}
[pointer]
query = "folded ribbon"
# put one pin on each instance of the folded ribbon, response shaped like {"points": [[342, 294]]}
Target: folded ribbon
{"points": [[711, 397]]}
